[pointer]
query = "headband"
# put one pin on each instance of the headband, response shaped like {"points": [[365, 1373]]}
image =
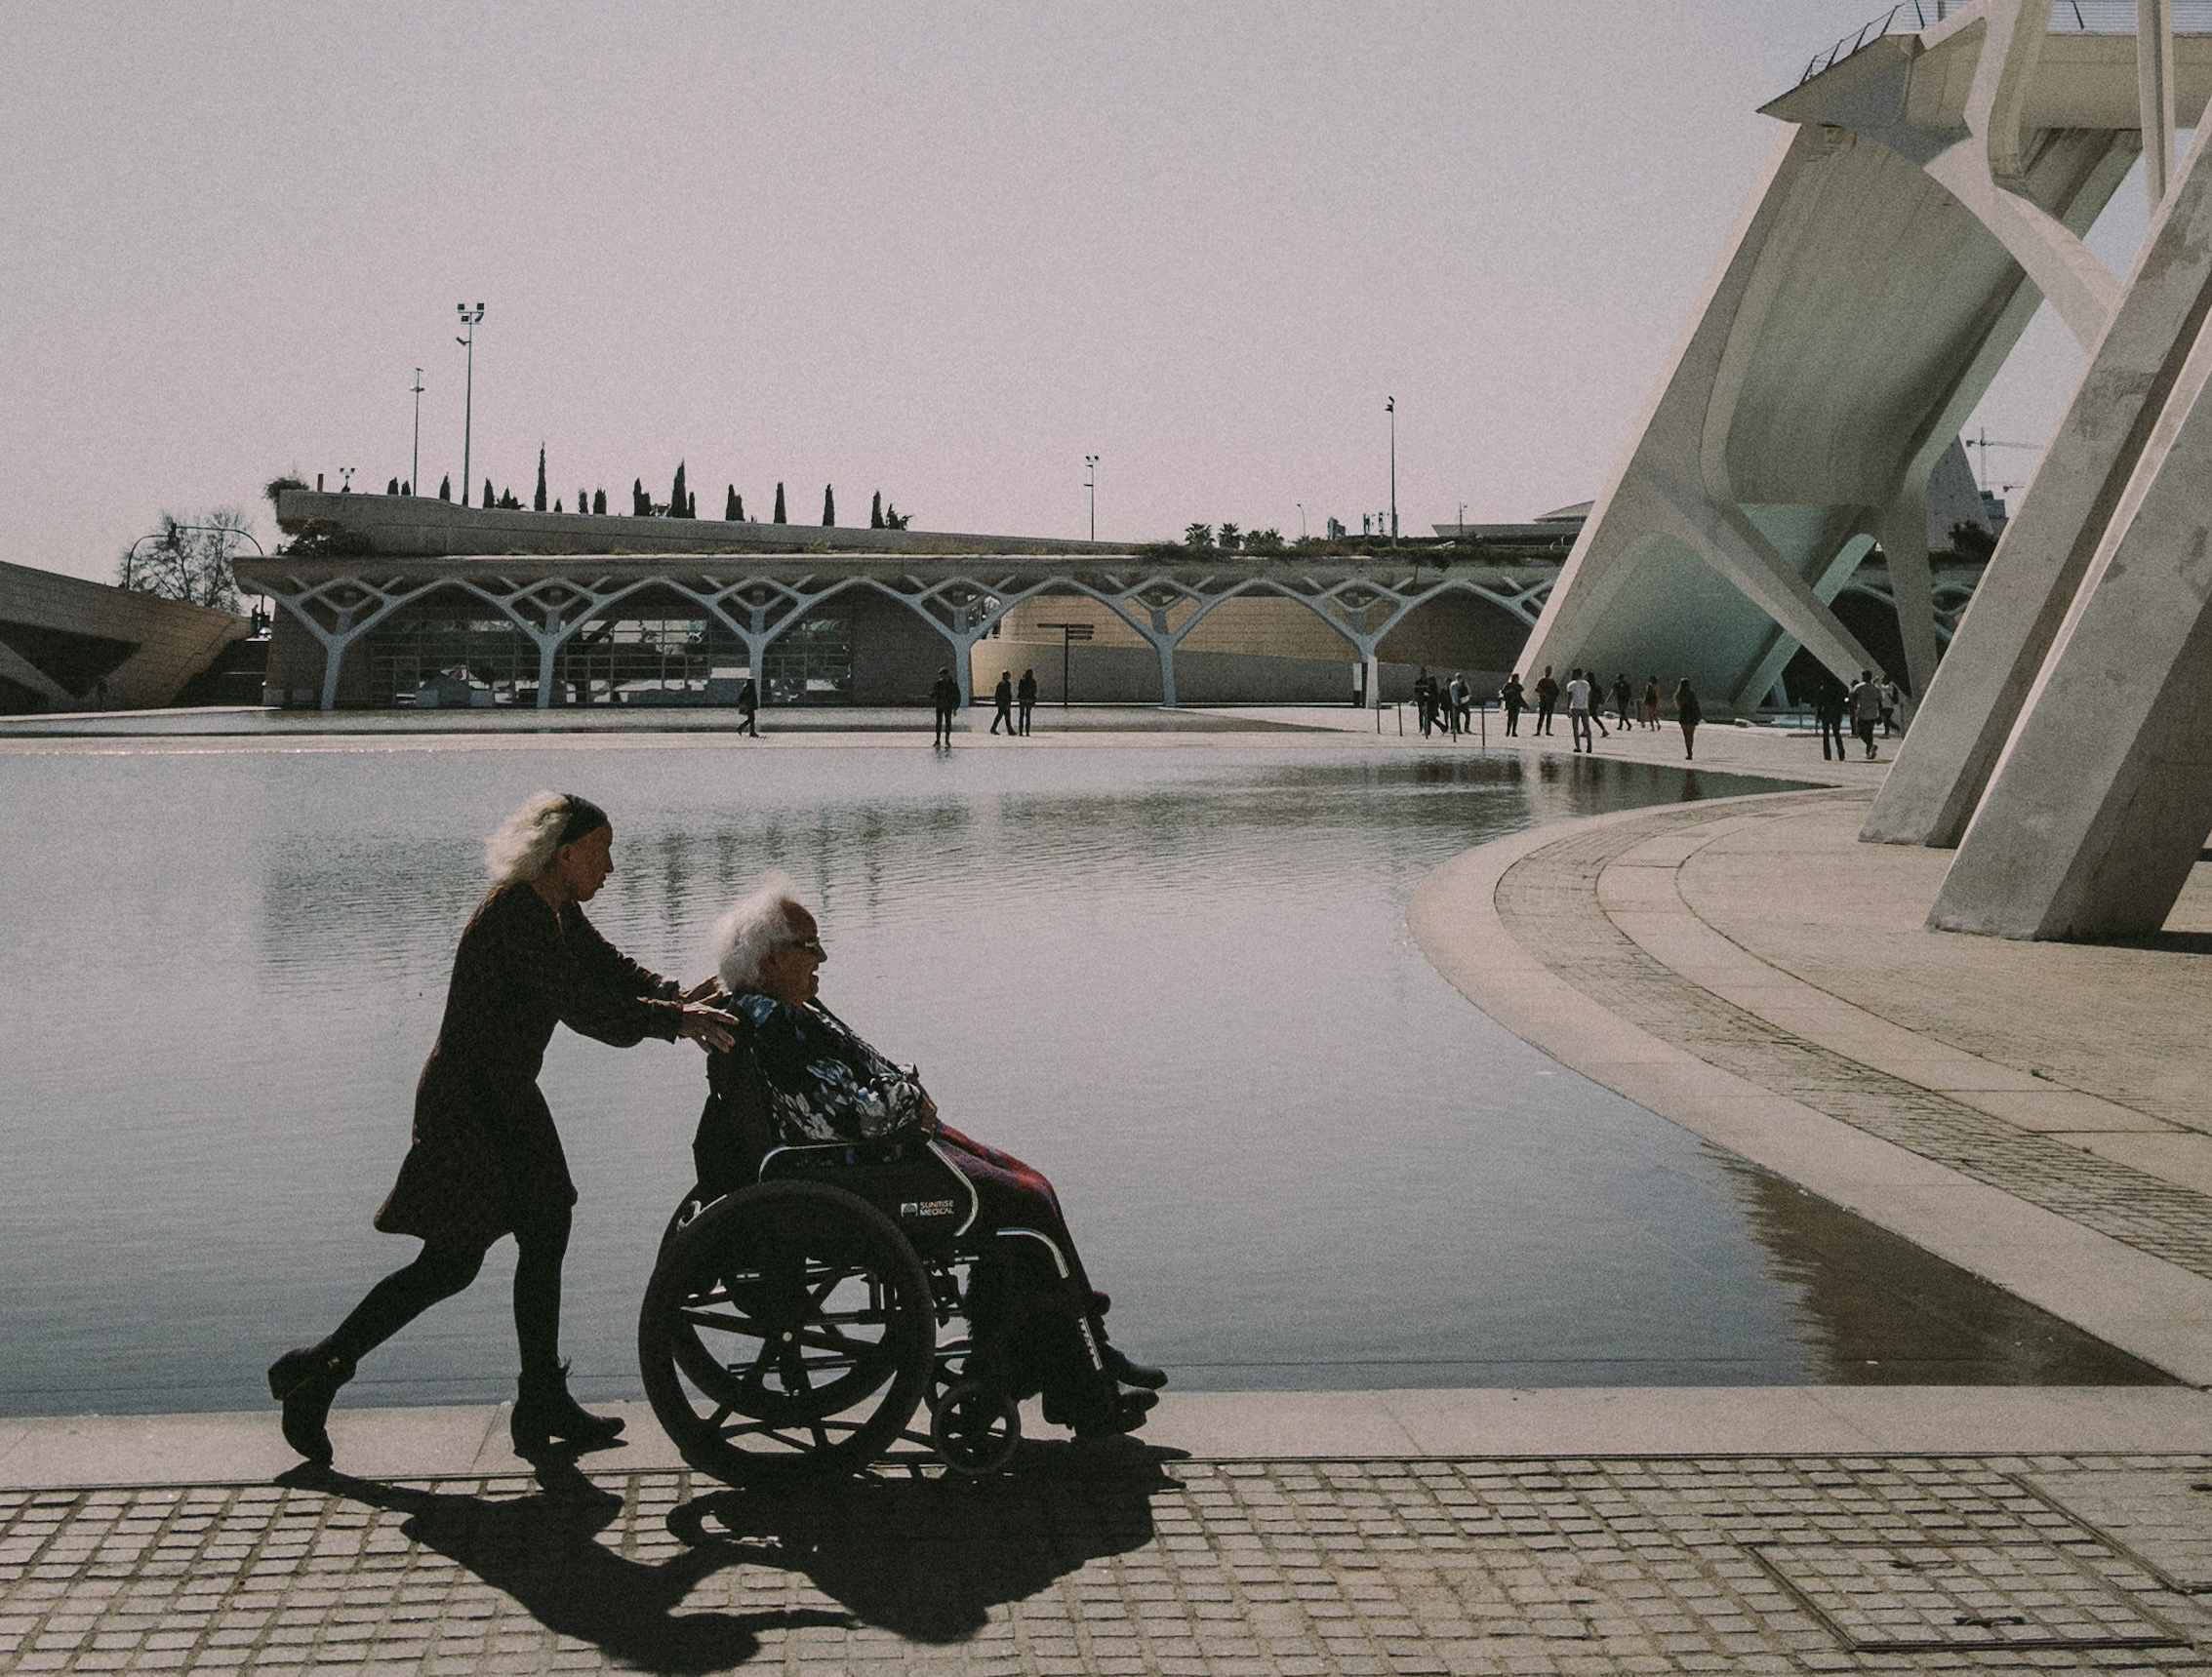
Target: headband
{"points": [[584, 816]]}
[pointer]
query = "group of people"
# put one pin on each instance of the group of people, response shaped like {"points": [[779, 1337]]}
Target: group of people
{"points": [[1586, 697], [1442, 706], [945, 700], [1869, 703], [486, 1160]]}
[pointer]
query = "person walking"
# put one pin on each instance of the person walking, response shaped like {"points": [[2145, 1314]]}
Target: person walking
{"points": [[1423, 700], [1865, 704], [1513, 699], [1623, 697], [1026, 696], [1651, 703], [1547, 699], [1461, 698], [945, 700], [486, 1160], [1689, 713], [1578, 711], [1002, 696], [1893, 703], [1827, 716], [748, 708]]}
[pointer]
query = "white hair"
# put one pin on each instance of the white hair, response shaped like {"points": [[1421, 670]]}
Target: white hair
{"points": [[752, 926], [524, 845]]}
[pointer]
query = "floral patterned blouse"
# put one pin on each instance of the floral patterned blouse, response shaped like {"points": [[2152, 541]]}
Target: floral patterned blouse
{"points": [[822, 1081]]}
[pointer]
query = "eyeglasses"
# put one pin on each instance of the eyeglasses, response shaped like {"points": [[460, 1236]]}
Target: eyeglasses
{"points": [[811, 945]]}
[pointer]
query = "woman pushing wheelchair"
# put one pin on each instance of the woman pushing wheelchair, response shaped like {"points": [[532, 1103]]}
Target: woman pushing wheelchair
{"points": [[796, 1077]]}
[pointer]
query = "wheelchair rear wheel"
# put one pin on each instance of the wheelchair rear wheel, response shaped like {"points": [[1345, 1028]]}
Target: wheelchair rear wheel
{"points": [[788, 1327]]}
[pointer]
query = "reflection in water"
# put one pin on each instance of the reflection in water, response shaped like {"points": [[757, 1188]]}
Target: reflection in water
{"points": [[1878, 1310], [1177, 980]]}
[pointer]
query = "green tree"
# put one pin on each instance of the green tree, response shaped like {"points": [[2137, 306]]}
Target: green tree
{"points": [[828, 503], [639, 506], [679, 503], [778, 518], [1198, 536], [393, 488], [445, 486], [599, 501], [875, 510], [892, 518], [1230, 538], [732, 508], [537, 503], [489, 500], [583, 500], [1264, 541]]}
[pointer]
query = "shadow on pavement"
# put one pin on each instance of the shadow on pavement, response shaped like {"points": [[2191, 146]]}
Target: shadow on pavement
{"points": [[925, 1558]]}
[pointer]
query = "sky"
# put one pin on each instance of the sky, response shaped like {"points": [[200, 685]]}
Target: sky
{"points": [[943, 250]]}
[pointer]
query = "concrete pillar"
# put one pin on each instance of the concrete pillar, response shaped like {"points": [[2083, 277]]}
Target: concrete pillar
{"points": [[2104, 795], [2155, 91], [1965, 718], [1904, 545]]}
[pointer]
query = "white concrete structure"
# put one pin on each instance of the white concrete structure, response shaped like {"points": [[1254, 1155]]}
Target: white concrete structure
{"points": [[67, 644], [1932, 188]]}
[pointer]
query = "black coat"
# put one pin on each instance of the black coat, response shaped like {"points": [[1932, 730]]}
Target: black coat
{"points": [[486, 1155]]}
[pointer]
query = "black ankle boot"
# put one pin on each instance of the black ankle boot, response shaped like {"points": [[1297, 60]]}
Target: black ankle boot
{"points": [[544, 1413], [304, 1382], [1117, 1364]]}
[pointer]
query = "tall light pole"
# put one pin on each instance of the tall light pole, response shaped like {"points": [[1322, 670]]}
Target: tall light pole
{"points": [[468, 318], [1301, 505], [1390, 407], [1091, 483], [415, 477]]}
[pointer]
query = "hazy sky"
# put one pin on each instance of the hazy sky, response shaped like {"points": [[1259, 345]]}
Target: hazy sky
{"points": [[940, 250]]}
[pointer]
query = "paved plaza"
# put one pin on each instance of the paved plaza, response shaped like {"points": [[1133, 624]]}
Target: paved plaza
{"points": [[2032, 1112]]}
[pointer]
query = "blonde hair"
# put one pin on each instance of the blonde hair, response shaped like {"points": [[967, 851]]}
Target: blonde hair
{"points": [[751, 928], [526, 840]]}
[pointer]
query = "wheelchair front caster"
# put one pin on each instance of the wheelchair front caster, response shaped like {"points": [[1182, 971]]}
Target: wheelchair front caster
{"points": [[975, 1428]]}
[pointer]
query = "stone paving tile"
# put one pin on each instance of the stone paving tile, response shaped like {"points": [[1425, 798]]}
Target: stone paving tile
{"points": [[1569, 1567], [1548, 900]]}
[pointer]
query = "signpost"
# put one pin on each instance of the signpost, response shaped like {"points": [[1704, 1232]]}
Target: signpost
{"points": [[1069, 634]]}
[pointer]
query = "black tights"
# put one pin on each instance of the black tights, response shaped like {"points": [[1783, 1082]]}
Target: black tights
{"points": [[445, 1266]]}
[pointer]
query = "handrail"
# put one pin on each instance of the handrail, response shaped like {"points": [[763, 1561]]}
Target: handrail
{"points": [[2068, 17]]}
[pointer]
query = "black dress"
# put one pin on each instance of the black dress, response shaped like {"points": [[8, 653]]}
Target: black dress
{"points": [[486, 1156]]}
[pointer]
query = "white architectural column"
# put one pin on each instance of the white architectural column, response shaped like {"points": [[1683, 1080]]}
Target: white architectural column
{"points": [[2155, 90], [1905, 547], [1965, 717], [2103, 798]]}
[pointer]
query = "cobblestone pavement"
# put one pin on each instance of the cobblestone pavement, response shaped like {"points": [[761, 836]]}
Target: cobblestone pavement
{"points": [[1822, 1563], [1550, 901]]}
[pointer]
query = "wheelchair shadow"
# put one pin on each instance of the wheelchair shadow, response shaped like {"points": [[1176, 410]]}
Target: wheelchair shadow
{"points": [[543, 1550], [927, 1559]]}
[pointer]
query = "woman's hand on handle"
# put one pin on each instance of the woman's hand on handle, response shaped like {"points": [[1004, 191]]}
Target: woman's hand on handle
{"points": [[708, 989], [712, 1028]]}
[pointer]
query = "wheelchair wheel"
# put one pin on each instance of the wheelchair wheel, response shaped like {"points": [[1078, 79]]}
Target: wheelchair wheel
{"points": [[788, 1327], [975, 1428]]}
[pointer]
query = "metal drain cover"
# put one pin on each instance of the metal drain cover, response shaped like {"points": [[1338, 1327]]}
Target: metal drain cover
{"points": [[2161, 1516], [1902, 1598]]}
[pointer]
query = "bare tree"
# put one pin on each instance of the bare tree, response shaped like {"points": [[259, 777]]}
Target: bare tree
{"points": [[189, 559]]}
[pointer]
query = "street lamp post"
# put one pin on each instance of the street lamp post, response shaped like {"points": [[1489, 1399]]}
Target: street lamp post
{"points": [[415, 475], [1301, 505], [1091, 483], [1390, 407], [468, 318]]}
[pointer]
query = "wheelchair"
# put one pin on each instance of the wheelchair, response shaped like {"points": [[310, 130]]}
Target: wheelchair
{"points": [[797, 1323]]}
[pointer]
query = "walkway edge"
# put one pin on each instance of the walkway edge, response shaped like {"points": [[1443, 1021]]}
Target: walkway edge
{"points": [[2142, 1304]]}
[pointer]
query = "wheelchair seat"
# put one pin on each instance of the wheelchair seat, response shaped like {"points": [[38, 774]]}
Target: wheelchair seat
{"points": [[905, 1177]]}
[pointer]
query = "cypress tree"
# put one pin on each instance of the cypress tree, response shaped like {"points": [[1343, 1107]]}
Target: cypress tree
{"points": [[539, 503], [406, 489], [638, 507], [828, 503], [875, 510], [556, 504], [583, 502], [691, 504], [445, 486], [679, 500], [599, 501], [778, 518], [393, 488], [740, 510], [732, 509]]}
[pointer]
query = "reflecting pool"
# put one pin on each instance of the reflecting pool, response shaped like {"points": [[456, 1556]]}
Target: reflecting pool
{"points": [[1177, 979]]}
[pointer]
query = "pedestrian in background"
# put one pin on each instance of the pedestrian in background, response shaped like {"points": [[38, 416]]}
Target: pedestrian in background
{"points": [[1865, 704], [1002, 695], [1547, 699], [1651, 703], [1828, 714], [944, 699], [1893, 701], [1578, 711], [1512, 697], [1623, 697], [748, 708], [1689, 713], [1026, 696], [1461, 698]]}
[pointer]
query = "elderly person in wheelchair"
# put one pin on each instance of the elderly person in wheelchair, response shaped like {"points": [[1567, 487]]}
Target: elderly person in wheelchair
{"points": [[800, 1095]]}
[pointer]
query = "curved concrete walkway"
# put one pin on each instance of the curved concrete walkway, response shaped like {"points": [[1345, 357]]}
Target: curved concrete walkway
{"points": [[2034, 1113]]}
